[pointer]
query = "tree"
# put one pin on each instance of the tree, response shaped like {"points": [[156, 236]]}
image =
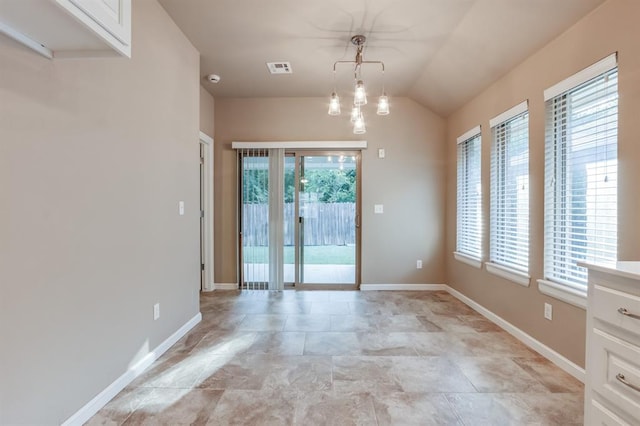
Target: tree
{"points": [[331, 186]]}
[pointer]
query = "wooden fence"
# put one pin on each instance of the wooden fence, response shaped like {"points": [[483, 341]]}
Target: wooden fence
{"points": [[324, 224]]}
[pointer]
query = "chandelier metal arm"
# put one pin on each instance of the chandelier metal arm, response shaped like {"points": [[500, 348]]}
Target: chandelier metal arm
{"points": [[357, 64]]}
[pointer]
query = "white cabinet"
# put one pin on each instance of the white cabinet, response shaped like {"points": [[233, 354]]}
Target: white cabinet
{"points": [[612, 388], [69, 28]]}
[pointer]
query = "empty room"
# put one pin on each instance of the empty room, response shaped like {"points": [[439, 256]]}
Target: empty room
{"points": [[358, 212]]}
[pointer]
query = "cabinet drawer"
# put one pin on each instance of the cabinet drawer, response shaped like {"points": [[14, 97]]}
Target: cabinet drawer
{"points": [[615, 372], [601, 416], [611, 305]]}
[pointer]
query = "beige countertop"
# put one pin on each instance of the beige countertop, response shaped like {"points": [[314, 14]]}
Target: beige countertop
{"points": [[628, 269]]}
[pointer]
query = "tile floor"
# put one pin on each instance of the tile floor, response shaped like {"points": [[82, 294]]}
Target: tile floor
{"points": [[346, 358]]}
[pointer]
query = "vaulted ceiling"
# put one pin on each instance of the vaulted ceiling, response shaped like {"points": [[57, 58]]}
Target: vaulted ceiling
{"points": [[441, 53]]}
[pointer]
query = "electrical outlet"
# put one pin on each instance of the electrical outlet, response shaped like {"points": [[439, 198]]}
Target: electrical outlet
{"points": [[418, 264], [156, 311], [548, 311]]}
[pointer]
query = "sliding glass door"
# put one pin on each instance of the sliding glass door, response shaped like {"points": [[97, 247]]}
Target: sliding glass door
{"points": [[299, 219], [328, 216]]}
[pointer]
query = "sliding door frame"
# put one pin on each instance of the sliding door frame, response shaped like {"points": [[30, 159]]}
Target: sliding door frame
{"points": [[299, 276], [301, 148]]}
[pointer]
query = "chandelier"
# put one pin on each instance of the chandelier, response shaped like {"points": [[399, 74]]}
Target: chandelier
{"points": [[360, 94]]}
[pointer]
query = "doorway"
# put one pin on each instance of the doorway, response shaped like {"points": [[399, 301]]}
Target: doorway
{"points": [[301, 219], [206, 213]]}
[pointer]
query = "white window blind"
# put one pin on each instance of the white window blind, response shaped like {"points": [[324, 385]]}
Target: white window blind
{"points": [[509, 207], [262, 191], [469, 196], [581, 174]]}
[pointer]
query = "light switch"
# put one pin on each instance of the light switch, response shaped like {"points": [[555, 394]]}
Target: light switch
{"points": [[181, 208], [381, 153], [378, 208]]}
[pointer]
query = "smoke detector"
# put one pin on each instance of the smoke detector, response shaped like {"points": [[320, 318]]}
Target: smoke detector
{"points": [[279, 67]]}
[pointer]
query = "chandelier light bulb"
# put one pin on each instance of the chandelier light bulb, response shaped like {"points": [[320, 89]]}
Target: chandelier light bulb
{"points": [[360, 97], [334, 104], [355, 111], [358, 126], [383, 104]]}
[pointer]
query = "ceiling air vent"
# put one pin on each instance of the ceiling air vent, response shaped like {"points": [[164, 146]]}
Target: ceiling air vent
{"points": [[279, 67]]}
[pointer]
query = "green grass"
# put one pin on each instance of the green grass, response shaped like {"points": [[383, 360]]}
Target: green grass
{"points": [[313, 255]]}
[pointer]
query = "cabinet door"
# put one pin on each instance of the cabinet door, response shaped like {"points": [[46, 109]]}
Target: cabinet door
{"points": [[114, 16]]}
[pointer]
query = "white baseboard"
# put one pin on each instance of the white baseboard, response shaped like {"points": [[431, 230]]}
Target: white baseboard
{"points": [[544, 350], [225, 286], [93, 406], [403, 287], [570, 367]]}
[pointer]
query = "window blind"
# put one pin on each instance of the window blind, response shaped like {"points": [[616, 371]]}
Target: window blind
{"points": [[261, 174], [509, 206], [581, 174], [469, 197]]}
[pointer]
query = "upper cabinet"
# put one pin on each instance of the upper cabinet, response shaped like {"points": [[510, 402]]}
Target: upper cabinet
{"points": [[69, 28]]}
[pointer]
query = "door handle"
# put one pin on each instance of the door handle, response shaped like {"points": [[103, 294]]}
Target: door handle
{"points": [[357, 221]]}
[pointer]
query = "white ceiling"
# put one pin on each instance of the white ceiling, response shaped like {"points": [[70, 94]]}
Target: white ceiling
{"points": [[441, 53]]}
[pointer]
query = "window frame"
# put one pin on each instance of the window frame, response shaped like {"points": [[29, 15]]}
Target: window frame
{"points": [[464, 230], [501, 140], [574, 293]]}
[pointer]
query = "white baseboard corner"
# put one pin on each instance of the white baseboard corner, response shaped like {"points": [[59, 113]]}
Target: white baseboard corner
{"points": [[403, 287], [100, 400], [565, 364], [225, 286]]}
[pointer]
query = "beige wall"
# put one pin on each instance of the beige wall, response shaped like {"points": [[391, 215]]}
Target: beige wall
{"points": [[207, 107], [94, 156], [408, 182], [612, 27]]}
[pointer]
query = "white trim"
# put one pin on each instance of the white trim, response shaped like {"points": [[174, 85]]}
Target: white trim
{"points": [[225, 286], [600, 67], [565, 364], [510, 274], [207, 142], [204, 138], [469, 134], [25, 40], [403, 287], [509, 114], [565, 293], [301, 145], [100, 400], [465, 258]]}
